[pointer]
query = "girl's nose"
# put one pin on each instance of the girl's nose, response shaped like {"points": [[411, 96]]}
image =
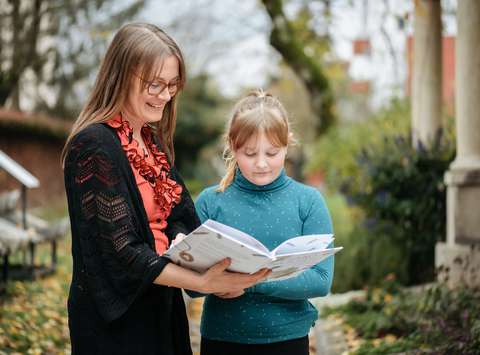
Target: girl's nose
{"points": [[261, 162]]}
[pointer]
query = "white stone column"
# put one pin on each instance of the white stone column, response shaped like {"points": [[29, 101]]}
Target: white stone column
{"points": [[467, 96], [461, 252], [427, 71]]}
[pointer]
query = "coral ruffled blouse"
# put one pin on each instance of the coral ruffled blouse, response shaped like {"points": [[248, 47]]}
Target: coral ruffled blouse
{"points": [[159, 192]]}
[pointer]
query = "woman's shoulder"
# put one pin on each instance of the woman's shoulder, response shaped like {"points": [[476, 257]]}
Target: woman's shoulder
{"points": [[95, 134], [92, 139]]}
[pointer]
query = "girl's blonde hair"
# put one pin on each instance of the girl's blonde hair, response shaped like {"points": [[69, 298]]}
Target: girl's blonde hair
{"points": [[135, 49], [258, 112]]}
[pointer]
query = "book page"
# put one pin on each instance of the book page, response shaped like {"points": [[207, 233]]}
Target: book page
{"points": [[236, 234], [290, 265], [303, 244], [204, 247]]}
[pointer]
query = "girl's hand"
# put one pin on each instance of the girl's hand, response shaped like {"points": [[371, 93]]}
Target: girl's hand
{"points": [[218, 280]]}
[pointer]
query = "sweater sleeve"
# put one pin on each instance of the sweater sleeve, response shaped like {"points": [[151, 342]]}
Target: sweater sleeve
{"points": [[316, 281], [116, 262]]}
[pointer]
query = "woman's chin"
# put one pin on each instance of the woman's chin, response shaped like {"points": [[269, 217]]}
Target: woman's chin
{"points": [[153, 116]]}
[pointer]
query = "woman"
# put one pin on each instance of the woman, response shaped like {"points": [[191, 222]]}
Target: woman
{"points": [[127, 203]]}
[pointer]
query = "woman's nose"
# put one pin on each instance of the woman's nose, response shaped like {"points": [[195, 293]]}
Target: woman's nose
{"points": [[165, 95]]}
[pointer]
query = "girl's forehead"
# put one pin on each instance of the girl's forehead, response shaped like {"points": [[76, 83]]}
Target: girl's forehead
{"points": [[259, 140]]}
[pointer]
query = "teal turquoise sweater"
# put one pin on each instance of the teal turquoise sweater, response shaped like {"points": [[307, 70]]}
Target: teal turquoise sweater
{"points": [[270, 311]]}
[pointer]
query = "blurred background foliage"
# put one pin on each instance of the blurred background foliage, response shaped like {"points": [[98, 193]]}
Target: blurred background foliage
{"points": [[387, 197]]}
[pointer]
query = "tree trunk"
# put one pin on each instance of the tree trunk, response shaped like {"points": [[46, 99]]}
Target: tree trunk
{"points": [[308, 69]]}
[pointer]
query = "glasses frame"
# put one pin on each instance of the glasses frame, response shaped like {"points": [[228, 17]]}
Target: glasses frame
{"points": [[162, 86]]}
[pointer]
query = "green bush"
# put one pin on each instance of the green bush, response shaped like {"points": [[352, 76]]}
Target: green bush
{"points": [[394, 197], [401, 191], [334, 153]]}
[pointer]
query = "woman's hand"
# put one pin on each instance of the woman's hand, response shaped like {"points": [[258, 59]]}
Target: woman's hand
{"points": [[229, 294], [178, 238], [218, 280]]}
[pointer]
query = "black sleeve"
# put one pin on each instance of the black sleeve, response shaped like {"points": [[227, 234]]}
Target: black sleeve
{"points": [[183, 218], [118, 262]]}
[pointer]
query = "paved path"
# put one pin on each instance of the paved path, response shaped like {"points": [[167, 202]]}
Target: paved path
{"points": [[329, 332], [326, 338]]}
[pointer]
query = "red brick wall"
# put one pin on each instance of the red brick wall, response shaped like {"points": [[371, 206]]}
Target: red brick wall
{"points": [[42, 159]]}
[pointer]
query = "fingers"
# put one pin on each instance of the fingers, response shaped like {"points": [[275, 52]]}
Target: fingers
{"points": [[250, 280], [178, 238], [220, 266], [230, 284], [260, 275], [227, 295]]}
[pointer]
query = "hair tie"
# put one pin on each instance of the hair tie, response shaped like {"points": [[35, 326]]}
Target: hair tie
{"points": [[261, 94]]}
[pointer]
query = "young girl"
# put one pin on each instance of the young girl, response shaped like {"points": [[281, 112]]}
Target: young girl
{"points": [[257, 197]]}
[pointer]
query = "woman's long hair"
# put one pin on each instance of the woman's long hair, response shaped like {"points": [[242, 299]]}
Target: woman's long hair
{"points": [[136, 47], [257, 112]]}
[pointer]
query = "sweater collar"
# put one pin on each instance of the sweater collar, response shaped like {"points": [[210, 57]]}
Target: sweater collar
{"points": [[242, 183]]}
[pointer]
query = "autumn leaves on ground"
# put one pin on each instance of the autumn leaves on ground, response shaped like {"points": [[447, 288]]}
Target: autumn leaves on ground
{"points": [[33, 314]]}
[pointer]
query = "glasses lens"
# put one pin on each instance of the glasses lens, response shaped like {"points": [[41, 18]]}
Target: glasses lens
{"points": [[156, 88], [172, 88]]}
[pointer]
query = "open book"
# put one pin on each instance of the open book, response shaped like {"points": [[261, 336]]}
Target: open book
{"points": [[214, 241]]}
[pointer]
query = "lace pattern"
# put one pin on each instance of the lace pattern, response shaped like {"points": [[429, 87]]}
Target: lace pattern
{"points": [[105, 241]]}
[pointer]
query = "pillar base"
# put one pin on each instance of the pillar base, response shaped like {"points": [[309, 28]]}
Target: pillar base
{"points": [[458, 264], [463, 204], [458, 260]]}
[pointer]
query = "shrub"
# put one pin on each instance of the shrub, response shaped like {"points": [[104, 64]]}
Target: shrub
{"points": [[394, 197], [334, 153], [402, 193]]}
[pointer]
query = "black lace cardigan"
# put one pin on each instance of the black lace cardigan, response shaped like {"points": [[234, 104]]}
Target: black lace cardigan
{"points": [[113, 305]]}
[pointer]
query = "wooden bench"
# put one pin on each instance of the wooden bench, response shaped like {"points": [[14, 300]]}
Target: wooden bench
{"points": [[21, 231]]}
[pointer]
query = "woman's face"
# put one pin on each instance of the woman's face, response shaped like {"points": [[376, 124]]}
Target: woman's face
{"points": [[259, 161], [142, 107]]}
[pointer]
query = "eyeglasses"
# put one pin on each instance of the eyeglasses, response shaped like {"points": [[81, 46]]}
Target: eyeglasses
{"points": [[156, 87]]}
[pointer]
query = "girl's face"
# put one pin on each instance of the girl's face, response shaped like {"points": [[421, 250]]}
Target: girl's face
{"points": [[259, 161], [143, 107]]}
